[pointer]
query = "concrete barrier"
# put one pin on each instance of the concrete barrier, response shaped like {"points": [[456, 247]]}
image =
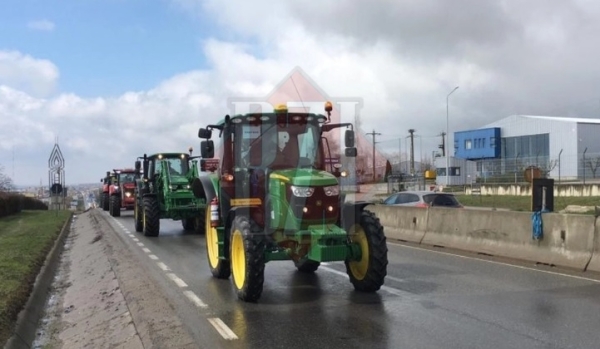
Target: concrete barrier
{"points": [[594, 264], [568, 240], [402, 223]]}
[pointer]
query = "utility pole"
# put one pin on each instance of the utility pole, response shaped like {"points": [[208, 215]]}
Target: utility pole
{"points": [[412, 151], [374, 134], [443, 145]]}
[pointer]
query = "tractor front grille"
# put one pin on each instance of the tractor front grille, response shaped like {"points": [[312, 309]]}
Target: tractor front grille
{"points": [[318, 206]]}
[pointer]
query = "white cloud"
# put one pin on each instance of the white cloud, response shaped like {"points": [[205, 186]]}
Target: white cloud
{"points": [[35, 76], [43, 25], [403, 80]]}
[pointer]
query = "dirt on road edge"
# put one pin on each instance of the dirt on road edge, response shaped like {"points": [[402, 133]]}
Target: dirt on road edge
{"points": [[106, 297]]}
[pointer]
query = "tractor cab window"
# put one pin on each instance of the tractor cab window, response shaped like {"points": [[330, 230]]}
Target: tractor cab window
{"points": [[126, 177], [175, 166], [277, 145]]}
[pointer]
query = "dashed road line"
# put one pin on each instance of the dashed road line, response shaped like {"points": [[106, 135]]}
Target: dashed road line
{"points": [[153, 257], [140, 244], [195, 299], [136, 239], [177, 280], [223, 329], [163, 266], [145, 249]]}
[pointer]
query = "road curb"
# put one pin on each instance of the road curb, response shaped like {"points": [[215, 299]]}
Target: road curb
{"points": [[29, 317]]}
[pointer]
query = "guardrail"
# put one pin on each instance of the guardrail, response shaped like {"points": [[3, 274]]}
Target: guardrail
{"points": [[568, 240]]}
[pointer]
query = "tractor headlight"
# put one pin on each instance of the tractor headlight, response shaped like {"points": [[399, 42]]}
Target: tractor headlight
{"points": [[302, 192], [116, 187], [128, 194], [332, 190], [344, 173]]}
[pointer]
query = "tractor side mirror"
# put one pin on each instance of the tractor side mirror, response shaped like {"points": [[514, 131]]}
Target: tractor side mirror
{"points": [[207, 149], [146, 165], [349, 139], [204, 133], [351, 152], [138, 167]]}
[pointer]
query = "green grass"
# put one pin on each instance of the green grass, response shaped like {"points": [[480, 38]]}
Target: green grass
{"points": [[25, 240], [523, 203]]}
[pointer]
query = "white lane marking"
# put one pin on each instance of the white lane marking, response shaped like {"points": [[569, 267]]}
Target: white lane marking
{"points": [[163, 266], [136, 239], [197, 301], [145, 249], [385, 288], [153, 257], [500, 263], [223, 329], [140, 244], [177, 280]]}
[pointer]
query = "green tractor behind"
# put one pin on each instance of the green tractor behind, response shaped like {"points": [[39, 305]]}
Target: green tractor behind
{"points": [[163, 190], [273, 198]]}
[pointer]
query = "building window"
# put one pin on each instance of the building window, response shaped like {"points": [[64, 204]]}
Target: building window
{"points": [[492, 142], [483, 142], [454, 171], [468, 144]]}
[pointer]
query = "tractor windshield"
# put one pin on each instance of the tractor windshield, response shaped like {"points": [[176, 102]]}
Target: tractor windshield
{"points": [[272, 145], [126, 178], [176, 165]]}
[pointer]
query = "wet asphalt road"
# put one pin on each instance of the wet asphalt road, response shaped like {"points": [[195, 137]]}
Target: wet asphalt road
{"points": [[430, 300]]}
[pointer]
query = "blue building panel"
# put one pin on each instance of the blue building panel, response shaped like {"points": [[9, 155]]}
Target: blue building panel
{"points": [[482, 143]]}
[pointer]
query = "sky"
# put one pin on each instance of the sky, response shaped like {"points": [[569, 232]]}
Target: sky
{"points": [[113, 79]]}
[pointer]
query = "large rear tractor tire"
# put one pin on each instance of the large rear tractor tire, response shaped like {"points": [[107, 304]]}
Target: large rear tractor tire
{"points": [[368, 274], [247, 260], [219, 268], [151, 216], [138, 217], [105, 202], [115, 206], [307, 265]]}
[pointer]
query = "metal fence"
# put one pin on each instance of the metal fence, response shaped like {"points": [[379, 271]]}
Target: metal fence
{"points": [[575, 167]]}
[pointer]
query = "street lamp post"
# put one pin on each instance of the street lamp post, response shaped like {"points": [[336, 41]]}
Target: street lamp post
{"points": [[448, 138]]}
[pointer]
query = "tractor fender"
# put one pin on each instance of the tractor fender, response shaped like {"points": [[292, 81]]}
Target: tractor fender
{"points": [[351, 212], [203, 188], [231, 214]]}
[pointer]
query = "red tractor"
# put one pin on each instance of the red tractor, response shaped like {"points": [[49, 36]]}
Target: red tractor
{"points": [[121, 191]]}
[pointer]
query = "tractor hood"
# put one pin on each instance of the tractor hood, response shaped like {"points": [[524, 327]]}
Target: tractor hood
{"points": [[129, 185], [305, 177], [179, 180]]}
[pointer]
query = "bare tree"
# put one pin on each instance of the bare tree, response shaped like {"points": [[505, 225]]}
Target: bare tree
{"points": [[6, 183], [426, 164], [594, 164]]}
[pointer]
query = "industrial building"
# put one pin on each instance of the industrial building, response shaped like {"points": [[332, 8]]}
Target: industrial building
{"points": [[564, 148]]}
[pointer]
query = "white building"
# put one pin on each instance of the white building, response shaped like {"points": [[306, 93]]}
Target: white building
{"points": [[462, 171], [567, 147]]}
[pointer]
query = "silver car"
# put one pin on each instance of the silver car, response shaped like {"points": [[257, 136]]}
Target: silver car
{"points": [[422, 199]]}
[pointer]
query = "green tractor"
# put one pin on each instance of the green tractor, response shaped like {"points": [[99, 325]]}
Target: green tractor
{"points": [[163, 190], [273, 198]]}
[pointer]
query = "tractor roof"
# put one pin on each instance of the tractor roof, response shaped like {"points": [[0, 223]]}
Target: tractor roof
{"points": [[168, 155], [124, 170], [275, 117]]}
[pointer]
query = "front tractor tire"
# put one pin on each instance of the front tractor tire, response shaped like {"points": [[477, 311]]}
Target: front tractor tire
{"points": [[115, 206], [219, 267], [151, 216], [105, 202], [188, 224], [307, 265], [247, 260], [138, 217], [368, 273]]}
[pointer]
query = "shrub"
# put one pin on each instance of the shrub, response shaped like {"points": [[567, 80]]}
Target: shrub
{"points": [[11, 203]]}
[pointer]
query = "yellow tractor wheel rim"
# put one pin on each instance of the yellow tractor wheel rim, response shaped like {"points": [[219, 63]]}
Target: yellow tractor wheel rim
{"points": [[359, 268], [212, 242], [238, 259]]}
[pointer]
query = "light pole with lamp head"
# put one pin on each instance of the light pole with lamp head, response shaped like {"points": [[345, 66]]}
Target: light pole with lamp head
{"points": [[448, 138]]}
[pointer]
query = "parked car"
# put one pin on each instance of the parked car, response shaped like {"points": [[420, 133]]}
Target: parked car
{"points": [[422, 199]]}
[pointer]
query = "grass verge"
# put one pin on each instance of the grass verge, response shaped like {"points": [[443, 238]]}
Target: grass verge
{"points": [[523, 203], [25, 240]]}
